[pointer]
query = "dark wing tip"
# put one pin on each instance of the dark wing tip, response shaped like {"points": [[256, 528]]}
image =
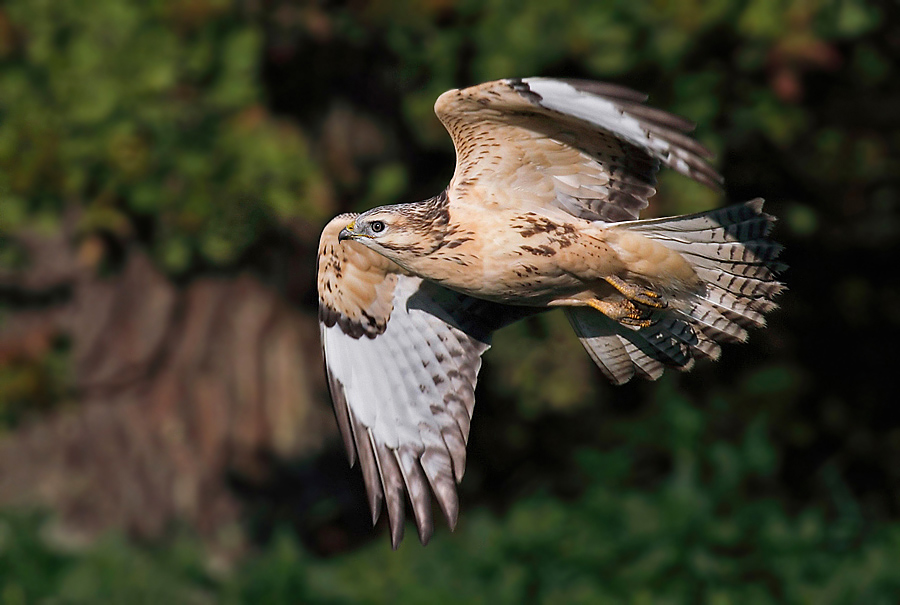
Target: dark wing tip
{"points": [[396, 535], [659, 117], [342, 415], [394, 489], [604, 89]]}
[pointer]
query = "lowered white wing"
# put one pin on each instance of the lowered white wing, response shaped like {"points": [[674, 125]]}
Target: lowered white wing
{"points": [[407, 397], [402, 357]]}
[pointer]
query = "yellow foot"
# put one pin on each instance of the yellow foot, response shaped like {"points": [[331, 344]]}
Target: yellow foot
{"points": [[623, 311], [637, 294]]}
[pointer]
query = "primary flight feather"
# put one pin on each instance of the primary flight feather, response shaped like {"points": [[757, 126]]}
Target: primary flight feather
{"points": [[541, 212]]}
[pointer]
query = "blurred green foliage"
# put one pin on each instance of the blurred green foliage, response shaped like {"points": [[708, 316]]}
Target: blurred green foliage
{"points": [[148, 117], [765, 478], [702, 534]]}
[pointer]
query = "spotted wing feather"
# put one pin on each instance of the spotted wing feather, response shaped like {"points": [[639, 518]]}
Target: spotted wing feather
{"points": [[586, 148]]}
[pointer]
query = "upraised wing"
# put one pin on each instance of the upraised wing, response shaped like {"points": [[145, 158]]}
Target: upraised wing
{"points": [[402, 357], [588, 148]]}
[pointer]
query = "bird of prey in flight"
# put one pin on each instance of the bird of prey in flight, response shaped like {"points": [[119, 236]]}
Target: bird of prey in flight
{"points": [[541, 212]]}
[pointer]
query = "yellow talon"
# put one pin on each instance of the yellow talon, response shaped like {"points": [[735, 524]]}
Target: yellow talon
{"points": [[643, 296], [623, 311]]}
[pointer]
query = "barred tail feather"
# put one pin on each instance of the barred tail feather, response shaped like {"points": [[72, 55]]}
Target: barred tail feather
{"points": [[731, 252], [622, 353]]}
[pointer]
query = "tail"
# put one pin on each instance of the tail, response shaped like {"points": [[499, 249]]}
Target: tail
{"points": [[732, 254]]}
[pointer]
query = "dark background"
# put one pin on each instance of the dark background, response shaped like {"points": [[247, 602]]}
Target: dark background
{"points": [[165, 435]]}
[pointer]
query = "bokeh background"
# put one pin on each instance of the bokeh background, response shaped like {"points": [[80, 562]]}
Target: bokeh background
{"points": [[165, 434]]}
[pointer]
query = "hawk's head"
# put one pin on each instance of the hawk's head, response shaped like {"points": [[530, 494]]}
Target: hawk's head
{"points": [[401, 231]]}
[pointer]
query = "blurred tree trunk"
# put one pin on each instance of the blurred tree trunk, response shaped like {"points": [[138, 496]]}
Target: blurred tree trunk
{"points": [[170, 390]]}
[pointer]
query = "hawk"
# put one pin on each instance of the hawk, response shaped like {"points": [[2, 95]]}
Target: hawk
{"points": [[541, 212]]}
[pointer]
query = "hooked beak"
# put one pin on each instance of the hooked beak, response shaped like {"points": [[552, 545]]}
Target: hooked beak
{"points": [[347, 232]]}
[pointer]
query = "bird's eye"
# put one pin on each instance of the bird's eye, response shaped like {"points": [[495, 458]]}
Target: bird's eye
{"points": [[377, 226]]}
